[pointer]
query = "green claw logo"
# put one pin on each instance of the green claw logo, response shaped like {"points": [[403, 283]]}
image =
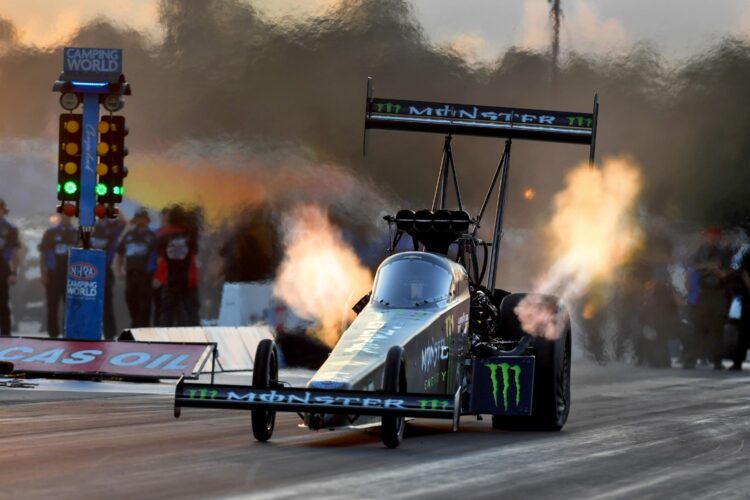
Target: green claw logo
{"points": [[505, 369], [387, 107], [202, 393], [432, 404]]}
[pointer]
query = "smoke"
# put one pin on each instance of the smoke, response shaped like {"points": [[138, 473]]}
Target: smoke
{"points": [[320, 277], [225, 75], [591, 235]]}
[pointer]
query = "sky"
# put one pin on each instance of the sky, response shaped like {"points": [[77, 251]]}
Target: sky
{"points": [[479, 29]]}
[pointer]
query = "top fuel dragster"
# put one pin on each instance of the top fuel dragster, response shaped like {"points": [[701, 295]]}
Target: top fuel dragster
{"points": [[435, 338]]}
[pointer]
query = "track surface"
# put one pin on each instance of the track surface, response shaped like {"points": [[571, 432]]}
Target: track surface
{"points": [[631, 434]]}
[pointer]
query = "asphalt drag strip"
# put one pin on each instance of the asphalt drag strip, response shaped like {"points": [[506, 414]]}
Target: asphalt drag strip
{"points": [[632, 433]]}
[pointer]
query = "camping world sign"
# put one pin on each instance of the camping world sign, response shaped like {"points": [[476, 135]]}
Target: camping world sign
{"points": [[89, 64]]}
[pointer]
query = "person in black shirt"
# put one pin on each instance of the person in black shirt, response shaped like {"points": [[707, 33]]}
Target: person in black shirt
{"points": [[711, 265], [53, 261], [105, 237], [9, 261], [136, 252]]}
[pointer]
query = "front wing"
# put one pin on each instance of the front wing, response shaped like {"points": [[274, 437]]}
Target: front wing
{"points": [[309, 400], [498, 385]]}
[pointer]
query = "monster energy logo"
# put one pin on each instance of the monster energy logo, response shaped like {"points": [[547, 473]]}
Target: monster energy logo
{"points": [[505, 370], [388, 107], [433, 404], [202, 393]]}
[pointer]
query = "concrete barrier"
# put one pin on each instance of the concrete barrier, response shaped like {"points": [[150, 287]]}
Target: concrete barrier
{"points": [[236, 345]]}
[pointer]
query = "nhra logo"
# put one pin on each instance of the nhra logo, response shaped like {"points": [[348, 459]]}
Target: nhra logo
{"points": [[83, 271], [505, 369]]}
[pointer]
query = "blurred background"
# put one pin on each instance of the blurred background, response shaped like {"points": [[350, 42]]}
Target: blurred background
{"points": [[249, 110]]}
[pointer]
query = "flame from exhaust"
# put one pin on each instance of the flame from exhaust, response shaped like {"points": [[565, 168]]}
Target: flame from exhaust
{"points": [[592, 233], [320, 277]]}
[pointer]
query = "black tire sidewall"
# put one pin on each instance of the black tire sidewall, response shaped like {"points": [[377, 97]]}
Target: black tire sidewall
{"points": [[265, 369], [392, 428], [551, 372]]}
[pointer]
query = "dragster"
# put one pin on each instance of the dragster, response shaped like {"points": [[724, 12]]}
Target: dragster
{"points": [[435, 338]]}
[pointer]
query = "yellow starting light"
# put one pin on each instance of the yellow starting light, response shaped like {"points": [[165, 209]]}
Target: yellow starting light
{"points": [[103, 127], [102, 169], [72, 126], [70, 168], [102, 148], [71, 148]]}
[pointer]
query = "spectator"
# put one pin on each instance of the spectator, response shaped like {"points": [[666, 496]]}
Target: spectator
{"points": [[136, 252], [9, 262], [156, 292], [709, 301], [53, 261], [105, 237], [176, 272], [743, 327]]}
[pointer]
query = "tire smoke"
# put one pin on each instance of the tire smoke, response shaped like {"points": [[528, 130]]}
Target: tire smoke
{"points": [[593, 232]]}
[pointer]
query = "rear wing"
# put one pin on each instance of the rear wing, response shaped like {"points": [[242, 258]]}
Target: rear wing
{"points": [[484, 121]]}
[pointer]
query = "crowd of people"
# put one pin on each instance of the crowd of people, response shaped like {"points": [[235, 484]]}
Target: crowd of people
{"points": [[671, 305], [673, 301], [158, 268]]}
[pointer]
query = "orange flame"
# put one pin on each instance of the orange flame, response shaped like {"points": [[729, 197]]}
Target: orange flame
{"points": [[592, 233], [320, 277]]}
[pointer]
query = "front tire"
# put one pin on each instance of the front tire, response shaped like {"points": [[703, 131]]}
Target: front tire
{"points": [[265, 375], [394, 382]]}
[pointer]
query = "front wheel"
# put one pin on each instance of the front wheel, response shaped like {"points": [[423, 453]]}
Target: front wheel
{"points": [[394, 382], [265, 375]]}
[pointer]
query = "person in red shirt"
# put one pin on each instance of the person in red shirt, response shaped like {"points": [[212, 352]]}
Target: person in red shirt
{"points": [[176, 273]]}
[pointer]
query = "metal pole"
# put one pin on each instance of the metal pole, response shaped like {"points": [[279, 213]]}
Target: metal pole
{"points": [[455, 180], [477, 225], [497, 236], [88, 161], [442, 176], [592, 149]]}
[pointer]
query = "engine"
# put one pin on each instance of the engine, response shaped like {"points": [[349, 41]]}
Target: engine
{"points": [[484, 316]]}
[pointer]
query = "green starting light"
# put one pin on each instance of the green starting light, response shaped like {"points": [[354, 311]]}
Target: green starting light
{"points": [[117, 190], [58, 187], [70, 187], [101, 189]]}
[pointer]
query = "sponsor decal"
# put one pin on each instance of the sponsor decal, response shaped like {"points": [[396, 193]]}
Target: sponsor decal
{"points": [[432, 354], [481, 113], [92, 60], [433, 404], [202, 393], [463, 323], [302, 397], [371, 337], [505, 369], [83, 271], [162, 360]]}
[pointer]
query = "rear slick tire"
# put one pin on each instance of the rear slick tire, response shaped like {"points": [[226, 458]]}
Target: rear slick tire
{"points": [[265, 375], [551, 397], [551, 403], [394, 382]]}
